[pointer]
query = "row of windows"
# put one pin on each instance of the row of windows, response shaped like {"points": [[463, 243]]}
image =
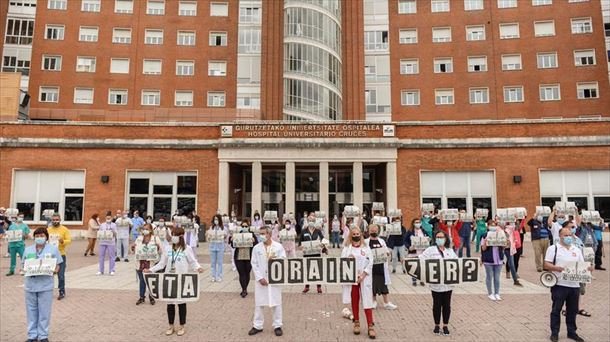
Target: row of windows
{"points": [[480, 95], [149, 97], [437, 6], [153, 7]]}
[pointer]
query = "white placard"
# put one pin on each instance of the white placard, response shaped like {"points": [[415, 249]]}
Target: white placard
{"points": [[54, 239], [39, 267], [496, 238], [311, 247], [394, 228], [481, 213], [13, 235], [566, 208], [243, 240], [287, 235], [427, 208], [465, 217], [320, 214], [420, 242], [450, 214], [588, 254], [351, 211], [105, 235], [270, 215], [577, 271], [394, 212], [147, 252], [378, 206], [381, 220], [543, 210], [590, 216], [521, 213], [380, 255], [216, 235], [506, 214], [255, 230]]}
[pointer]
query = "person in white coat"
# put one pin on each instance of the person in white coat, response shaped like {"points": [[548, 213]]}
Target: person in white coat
{"points": [[363, 289], [265, 294], [381, 272]]}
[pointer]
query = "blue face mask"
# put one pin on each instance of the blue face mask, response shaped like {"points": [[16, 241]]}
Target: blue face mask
{"points": [[573, 230], [561, 221], [568, 240], [262, 238], [40, 240], [492, 229], [440, 242]]}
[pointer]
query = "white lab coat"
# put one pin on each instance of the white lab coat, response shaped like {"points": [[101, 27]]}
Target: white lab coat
{"points": [[270, 295], [364, 263], [386, 270]]}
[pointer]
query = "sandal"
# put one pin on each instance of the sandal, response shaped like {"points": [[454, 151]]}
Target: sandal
{"points": [[584, 313], [563, 312], [371, 332], [356, 328]]}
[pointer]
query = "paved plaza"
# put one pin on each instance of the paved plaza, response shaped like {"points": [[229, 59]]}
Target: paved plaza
{"points": [[102, 308]]}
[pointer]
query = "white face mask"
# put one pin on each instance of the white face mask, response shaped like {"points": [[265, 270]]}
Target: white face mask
{"points": [[145, 232], [148, 221], [417, 225], [108, 221], [162, 223], [175, 239]]}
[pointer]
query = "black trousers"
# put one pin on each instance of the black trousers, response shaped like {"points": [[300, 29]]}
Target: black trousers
{"points": [[243, 269], [171, 313], [598, 253], [516, 258], [441, 303], [569, 296]]}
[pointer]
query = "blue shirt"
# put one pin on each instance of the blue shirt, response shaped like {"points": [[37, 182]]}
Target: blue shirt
{"points": [[40, 283], [465, 229], [597, 230]]}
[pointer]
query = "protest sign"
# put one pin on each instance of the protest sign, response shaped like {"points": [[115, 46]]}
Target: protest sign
{"points": [[542, 211], [320, 214], [255, 230], [380, 255], [243, 240], [590, 216], [13, 235], [444, 271], [496, 238], [576, 271], [173, 287], [566, 208], [311, 247], [287, 235], [420, 242], [394, 212], [506, 215], [481, 213], [351, 211], [105, 235], [319, 270], [54, 239], [147, 252], [378, 206], [216, 235], [270, 215], [588, 254], [379, 220], [427, 208], [450, 214], [465, 217], [39, 267], [394, 228]]}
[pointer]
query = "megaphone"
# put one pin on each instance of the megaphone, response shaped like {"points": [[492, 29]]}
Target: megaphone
{"points": [[548, 279]]}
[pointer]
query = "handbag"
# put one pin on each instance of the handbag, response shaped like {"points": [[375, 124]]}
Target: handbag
{"points": [[517, 238]]}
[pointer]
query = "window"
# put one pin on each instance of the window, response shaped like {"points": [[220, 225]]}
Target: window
{"points": [[186, 38], [119, 66], [584, 57], [152, 67], [20, 31], [511, 62], [477, 64], [155, 7], [90, 5], [216, 99], [160, 194], [443, 96], [375, 40], [513, 94], [185, 68], [473, 5], [117, 96], [83, 95], [17, 60], [441, 34], [409, 97], [123, 6], [507, 3], [547, 60], [187, 8], [57, 4], [217, 68], [407, 36], [218, 39], [443, 65], [184, 98], [587, 90], [479, 95], [544, 28], [48, 94], [85, 64], [407, 6], [550, 92], [252, 101], [249, 70], [581, 25], [63, 191], [151, 97], [541, 2], [250, 15], [153, 37], [219, 9], [88, 34], [54, 32], [474, 33], [440, 6], [509, 31], [409, 66], [121, 35], [51, 63], [249, 41]]}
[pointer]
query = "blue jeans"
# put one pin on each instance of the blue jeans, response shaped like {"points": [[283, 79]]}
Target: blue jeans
{"points": [[398, 254], [216, 261], [61, 276], [334, 239], [38, 309], [510, 264], [493, 271], [464, 242], [142, 283]]}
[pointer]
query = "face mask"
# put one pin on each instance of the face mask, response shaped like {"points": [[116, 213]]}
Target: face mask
{"points": [[568, 240], [146, 232], [539, 218], [108, 221], [136, 215], [356, 238], [426, 216], [244, 229], [161, 224], [287, 226], [40, 240], [561, 220], [492, 229], [125, 216], [216, 222], [373, 234], [573, 230], [449, 224], [256, 217], [148, 221], [440, 242], [175, 240], [262, 238], [19, 219], [417, 225], [55, 223], [311, 224]]}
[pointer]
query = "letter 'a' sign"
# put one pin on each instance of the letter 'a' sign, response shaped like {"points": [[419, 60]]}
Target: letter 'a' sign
{"points": [[444, 271], [312, 270], [173, 287]]}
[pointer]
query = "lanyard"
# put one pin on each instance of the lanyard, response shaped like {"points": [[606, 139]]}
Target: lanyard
{"points": [[174, 257]]}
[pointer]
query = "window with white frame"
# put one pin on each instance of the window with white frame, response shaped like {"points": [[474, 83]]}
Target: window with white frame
{"points": [[85, 64], [91, 5], [155, 7], [440, 6], [479, 95], [464, 190], [473, 5], [185, 68], [17, 60], [117, 97], [511, 62], [541, 2], [88, 34], [376, 40], [186, 38], [187, 8], [547, 60], [509, 31], [119, 66], [513, 94], [57, 4], [550, 92], [507, 3], [151, 97], [153, 37], [249, 70], [151, 67], [160, 194], [441, 34], [407, 36], [477, 63], [51, 63], [83, 95], [584, 57], [183, 98], [121, 35], [48, 94], [218, 39], [219, 9], [475, 32], [443, 96], [443, 65], [377, 98], [250, 15], [377, 68], [123, 6], [54, 32], [544, 28], [249, 40], [216, 98], [581, 25], [409, 66], [35, 191], [587, 90], [19, 31], [217, 68], [248, 100], [375, 10], [407, 6], [370, 70], [409, 97]]}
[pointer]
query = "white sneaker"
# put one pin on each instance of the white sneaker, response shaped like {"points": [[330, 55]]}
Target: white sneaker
{"points": [[389, 306], [213, 280], [99, 273], [492, 297], [7, 255], [219, 280], [111, 273], [498, 297]]}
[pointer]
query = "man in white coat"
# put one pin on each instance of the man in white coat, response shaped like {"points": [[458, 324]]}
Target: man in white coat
{"points": [[265, 294]]}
